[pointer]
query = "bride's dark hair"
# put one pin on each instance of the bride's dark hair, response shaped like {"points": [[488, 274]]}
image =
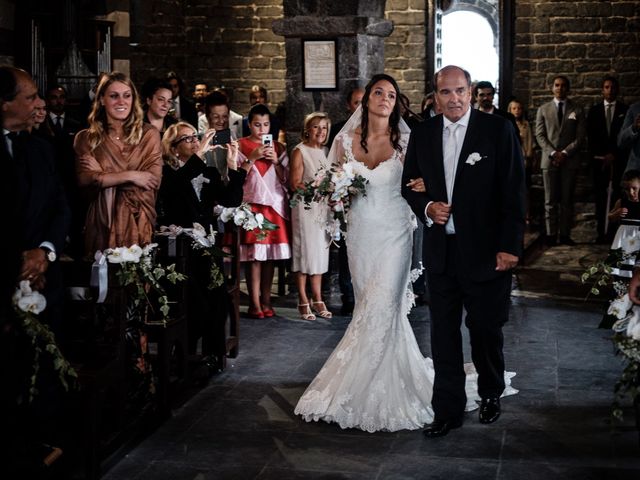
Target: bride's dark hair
{"points": [[394, 118]]}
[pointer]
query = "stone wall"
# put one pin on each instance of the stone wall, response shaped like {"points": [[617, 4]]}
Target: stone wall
{"points": [[405, 48], [212, 42], [583, 40]]}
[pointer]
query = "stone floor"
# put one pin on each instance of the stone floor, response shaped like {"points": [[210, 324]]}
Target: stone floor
{"points": [[558, 427]]}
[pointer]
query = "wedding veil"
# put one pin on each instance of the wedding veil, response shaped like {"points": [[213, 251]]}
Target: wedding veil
{"points": [[336, 153]]}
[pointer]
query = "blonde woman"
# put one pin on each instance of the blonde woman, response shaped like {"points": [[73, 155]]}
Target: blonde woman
{"points": [[189, 190], [190, 187], [310, 242], [119, 166]]}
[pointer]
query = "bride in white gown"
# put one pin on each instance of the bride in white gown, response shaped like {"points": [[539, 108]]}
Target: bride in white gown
{"points": [[376, 378]]}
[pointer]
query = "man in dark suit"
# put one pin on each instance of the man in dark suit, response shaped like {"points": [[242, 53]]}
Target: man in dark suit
{"points": [[182, 109], [604, 122], [473, 171], [484, 93], [62, 129], [37, 217]]}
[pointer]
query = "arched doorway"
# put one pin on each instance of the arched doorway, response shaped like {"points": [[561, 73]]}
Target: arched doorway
{"points": [[492, 19]]}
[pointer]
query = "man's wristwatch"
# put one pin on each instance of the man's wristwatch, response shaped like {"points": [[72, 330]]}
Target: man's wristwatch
{"points": [[50, 254]]}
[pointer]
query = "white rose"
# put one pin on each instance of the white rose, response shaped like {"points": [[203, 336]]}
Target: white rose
{"points": [[33, 302], [633, 327], [620, 306]]}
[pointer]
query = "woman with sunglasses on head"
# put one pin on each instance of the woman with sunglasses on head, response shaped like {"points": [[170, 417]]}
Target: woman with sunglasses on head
{"points": [[190, 188], [119, 166]]}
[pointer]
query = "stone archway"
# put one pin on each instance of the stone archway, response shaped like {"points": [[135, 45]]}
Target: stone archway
{"points": [[500, 14], [488, 9]]}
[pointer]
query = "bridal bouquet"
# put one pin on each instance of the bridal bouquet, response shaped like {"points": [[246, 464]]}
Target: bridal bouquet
{"points": [[242, 216], [28, 304], [337, 186]]}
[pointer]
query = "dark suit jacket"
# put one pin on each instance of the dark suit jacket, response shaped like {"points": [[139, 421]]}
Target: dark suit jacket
{"points": [[600, 142], [178, 203], [46, 212], [488, 197]]}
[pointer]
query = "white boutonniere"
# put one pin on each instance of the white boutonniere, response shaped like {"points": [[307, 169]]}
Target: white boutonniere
{"points": [[474, 158], [571, 116]]}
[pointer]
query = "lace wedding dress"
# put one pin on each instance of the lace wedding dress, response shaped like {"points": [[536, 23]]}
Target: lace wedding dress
{"points": [[376, 378]]}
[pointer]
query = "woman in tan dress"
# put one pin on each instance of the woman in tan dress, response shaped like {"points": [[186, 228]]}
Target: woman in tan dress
{"points": [[310, 242], [119, 166]]}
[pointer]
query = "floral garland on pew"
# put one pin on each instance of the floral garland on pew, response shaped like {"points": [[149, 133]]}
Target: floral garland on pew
{"points": [[337, 186], [626, 329], [28, 304], [139, 270], [204, 243]]}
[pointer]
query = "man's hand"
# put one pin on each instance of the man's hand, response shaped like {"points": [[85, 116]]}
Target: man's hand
{"points": [[34, 266], [505, 261], [439, 212], [634, 286], [558, 158]]}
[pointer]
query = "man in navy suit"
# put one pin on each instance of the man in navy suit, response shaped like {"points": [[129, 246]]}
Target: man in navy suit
{"points": [[473, 207], [37, 219], [43, 210], [604, 122]]}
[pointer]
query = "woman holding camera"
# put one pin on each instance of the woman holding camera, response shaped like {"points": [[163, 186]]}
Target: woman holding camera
{"points": [[266, 191], [187, 194]]}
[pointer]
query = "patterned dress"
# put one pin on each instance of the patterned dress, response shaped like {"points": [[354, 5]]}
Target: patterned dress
{"points": [[267, 194]]}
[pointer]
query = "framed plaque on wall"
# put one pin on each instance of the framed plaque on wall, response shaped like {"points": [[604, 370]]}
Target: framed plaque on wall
{"points": [[319, 64]]}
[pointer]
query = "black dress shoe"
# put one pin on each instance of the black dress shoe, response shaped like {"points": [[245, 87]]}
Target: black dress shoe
{"points": [[567, 241], [439, 428], [489, 410]]}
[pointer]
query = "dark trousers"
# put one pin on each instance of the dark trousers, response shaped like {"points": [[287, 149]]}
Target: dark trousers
{"points": [[601, 177], [487, 307]]}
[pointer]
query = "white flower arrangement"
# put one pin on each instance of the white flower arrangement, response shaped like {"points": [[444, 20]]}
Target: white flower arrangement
{"points": [[28, 304], [242, 216], [626, 328], [139, 270]]}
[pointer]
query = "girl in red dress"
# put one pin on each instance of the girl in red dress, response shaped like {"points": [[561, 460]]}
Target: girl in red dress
{"points": [[265, 189]]}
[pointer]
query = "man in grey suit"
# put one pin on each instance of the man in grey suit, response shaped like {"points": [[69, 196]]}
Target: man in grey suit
{"points": [[629, 136], [560, 132]]}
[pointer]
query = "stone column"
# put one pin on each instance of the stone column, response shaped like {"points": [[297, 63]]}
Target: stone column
{"points": [[360, 51]]}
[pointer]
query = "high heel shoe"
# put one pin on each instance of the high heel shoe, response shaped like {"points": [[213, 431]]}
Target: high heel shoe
{"points": [[305, 312], [322, 312], [259, 314]]}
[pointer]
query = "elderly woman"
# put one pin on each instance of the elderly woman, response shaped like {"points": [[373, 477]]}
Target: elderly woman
{"points": [[119, 166], [310, 242], [189, 186], [266, 191], [188, 192]]}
